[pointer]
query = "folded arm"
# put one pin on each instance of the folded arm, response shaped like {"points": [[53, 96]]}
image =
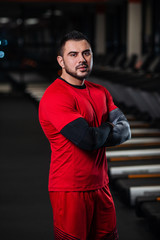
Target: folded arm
{"points": [[111, 133], [121, 130], [85, 137]]}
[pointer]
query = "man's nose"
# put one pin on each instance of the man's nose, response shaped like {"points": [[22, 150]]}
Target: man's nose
{"points": [[82, 58]]}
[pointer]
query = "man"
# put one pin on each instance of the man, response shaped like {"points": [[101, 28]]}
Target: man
{"points": [[80, 120]]}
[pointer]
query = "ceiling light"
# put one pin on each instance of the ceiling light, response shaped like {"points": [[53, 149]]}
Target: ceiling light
{"points": [[48, 13], [58, 13], [19, 21], [31, 21], [2, 54], [4, 20], [3, 42]]}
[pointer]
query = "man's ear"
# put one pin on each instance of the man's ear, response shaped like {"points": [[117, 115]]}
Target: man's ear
{"points": [[60, 61]]}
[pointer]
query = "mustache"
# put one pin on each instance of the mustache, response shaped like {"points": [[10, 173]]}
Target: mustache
{"points": [[82, 65]]}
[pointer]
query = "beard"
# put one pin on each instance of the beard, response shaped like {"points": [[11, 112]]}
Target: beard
{"points": [[74, 74]]}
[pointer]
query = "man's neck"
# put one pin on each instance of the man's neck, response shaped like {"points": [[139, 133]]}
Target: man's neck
{"points": [[72, 80]]}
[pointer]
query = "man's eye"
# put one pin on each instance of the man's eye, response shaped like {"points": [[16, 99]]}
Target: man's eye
{"points": [[87, 53], [73, 54]]}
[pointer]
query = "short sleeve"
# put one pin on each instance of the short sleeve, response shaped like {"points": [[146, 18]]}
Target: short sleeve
{"points": [[59, 109], [110, 104]]}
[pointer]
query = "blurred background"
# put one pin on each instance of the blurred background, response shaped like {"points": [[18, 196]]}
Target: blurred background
{"points": [[125, 38]]}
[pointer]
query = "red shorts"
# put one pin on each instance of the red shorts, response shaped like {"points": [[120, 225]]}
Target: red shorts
{"points": [[84, 215]]}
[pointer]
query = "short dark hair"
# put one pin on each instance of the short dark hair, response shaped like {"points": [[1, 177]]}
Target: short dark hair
{"points": [[74, 35]]}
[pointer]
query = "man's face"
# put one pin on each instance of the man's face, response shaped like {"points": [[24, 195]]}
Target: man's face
{"points": [[77, 60]]}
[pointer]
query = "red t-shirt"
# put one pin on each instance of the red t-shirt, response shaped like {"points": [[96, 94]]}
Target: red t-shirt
{"points": [[71, 168]]}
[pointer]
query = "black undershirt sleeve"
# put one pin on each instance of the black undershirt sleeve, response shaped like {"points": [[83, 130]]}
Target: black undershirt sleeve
{"points": [[85, 137]]}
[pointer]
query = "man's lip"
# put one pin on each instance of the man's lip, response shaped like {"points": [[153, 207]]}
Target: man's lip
{"points": [[82, 67]]}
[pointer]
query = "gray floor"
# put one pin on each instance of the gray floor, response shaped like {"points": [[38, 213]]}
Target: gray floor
{"points": [[25, 211], [131, 227]]}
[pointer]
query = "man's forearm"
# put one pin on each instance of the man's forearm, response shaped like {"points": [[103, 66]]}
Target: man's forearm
{"points": [[119, 134], [85, 137], [121, 129]]}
